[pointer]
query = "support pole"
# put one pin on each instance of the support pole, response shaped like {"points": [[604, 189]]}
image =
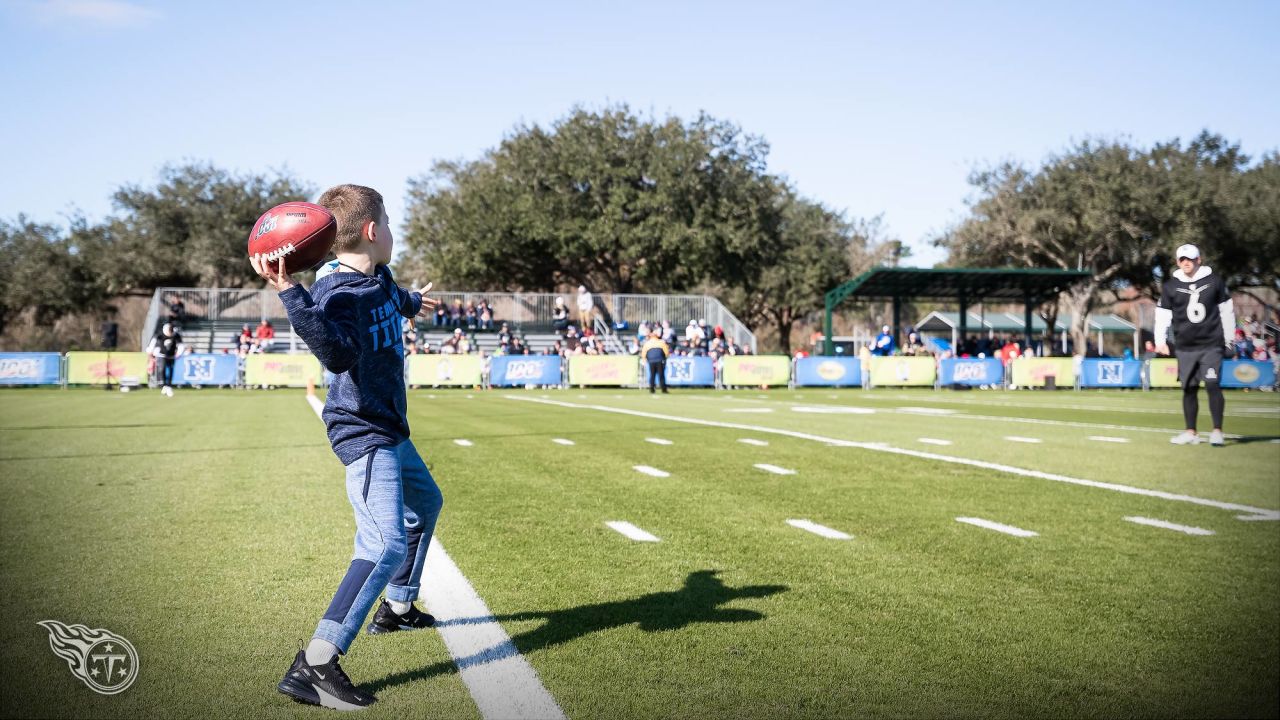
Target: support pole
{"points": [[829, 345], [964, 324], [897, 321], [1026, 317]]}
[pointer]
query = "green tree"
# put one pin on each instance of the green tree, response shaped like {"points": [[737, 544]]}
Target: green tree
{"points": [[44, 275]]}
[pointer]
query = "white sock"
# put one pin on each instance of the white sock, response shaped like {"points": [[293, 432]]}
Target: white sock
{"points": [[320, 651], [398, 607]]}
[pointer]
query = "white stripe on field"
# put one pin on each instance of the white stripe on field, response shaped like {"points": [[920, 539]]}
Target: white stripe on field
{"points": [[1169, 526], [561, 441], [655, 472], [817, 529], [753, 441], [775, 469], [500, 680], [998, 527], [1252, 513], [829, 410], [1108, 438], [749, 410], [926, 410], [632, 531], [463, 443], [1018, 438], [933, 441], [658, 441]]}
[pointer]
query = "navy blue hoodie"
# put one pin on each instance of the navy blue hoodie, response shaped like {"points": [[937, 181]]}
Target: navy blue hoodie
{"points": [[351, 323]]}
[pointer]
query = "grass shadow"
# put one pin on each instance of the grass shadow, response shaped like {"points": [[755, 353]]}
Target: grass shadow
{"points": [[699, 601]]}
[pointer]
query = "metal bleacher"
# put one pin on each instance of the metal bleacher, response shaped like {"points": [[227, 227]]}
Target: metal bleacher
{"points": [[211, 318]]}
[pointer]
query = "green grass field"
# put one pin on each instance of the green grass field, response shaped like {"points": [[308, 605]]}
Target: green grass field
{"points": [[211, 529]]}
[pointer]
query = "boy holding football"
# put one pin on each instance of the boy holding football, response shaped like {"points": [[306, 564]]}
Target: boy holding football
{"points": [[350, 320]]}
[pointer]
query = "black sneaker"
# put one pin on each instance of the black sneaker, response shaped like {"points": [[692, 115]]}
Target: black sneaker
{"points": [[326, 685], [386, 620]]}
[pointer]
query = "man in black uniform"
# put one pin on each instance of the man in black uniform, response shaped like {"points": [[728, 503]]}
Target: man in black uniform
{"points": [[1196, 302], [166, 346]]}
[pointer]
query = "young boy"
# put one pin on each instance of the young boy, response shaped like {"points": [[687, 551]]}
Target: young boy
{"points": [[351, 322]]}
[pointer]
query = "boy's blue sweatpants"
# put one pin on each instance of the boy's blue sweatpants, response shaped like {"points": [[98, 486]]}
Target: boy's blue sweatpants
{"points": [[396, 504]]}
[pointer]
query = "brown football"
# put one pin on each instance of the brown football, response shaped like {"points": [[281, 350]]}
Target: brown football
{"points": [[300, 232]]}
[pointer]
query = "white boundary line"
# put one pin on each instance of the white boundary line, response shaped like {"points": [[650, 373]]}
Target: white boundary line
{"points": [[632, 531], [933, 441], [1252, 513], [1169, 526], [1107, 439], [998, 527], [463, 443], [817, 529], [562, 441], [500, 680], [1020, 439], [753, 441], [651, 471], [775, 469], [658, 441]]}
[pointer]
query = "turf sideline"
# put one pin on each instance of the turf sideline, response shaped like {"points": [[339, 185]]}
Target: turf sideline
{"points": [[500, 680], [1253, 513]]}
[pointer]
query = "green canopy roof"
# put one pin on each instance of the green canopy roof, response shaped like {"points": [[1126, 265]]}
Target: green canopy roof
{"points": [[973, 284], [1002, 322]]}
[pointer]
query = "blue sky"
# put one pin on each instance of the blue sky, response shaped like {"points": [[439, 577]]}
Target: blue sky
{"points": [[871, 109]]}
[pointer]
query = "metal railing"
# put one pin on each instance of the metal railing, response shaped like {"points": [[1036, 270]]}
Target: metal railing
{"points": [[518, 309]]}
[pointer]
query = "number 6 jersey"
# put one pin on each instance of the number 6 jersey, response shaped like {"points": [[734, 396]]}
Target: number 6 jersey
{"points": [[1199, 308]]}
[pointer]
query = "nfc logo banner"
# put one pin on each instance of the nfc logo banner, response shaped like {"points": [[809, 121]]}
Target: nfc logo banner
{"points": [[1098, 372]]}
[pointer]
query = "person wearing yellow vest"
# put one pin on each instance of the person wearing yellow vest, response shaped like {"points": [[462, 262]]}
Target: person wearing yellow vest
{"points": [[655, 353]]}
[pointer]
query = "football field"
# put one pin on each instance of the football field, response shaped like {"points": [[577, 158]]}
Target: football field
{"points": [[806, 553]]}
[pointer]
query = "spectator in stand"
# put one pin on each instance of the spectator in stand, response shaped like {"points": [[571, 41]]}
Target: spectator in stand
{"points": [[455, 314], [427, 349], [1009, 352], [486, 315], [1259, 351], [244, 342], [516, 347], [1243, 345], [504, 338], [914, 346], [470, 317], [706, 334], [265, 335], [585, 304], [884, 343], [441, 318], [408, 337], [556, 348], [655, 354], [693, 335], [560, 317], [1149, 351], [450, 346], [177, 311], [571, 340]]}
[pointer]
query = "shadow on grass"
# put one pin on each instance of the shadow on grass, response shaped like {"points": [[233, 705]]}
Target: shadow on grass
{"points": [[698, 601], [1255, 438]]}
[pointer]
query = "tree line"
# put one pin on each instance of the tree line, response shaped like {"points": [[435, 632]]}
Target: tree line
{"points": [[624, 203]]}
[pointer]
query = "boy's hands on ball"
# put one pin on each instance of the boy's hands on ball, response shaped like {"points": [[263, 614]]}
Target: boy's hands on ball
{"points": [[427, 303], [275, 276]]}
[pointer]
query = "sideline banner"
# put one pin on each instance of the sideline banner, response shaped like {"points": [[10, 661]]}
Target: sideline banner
{"points": [[281, 370], [1100, 372], [756, 370], [1031, 371], [514, 370], [33, 368], [903, 370], [603, 370], [686, 371], [1164, 372], [99, 368], [444, 369], [828, 372], [1248, 374], [206, 369], [970, 371]]}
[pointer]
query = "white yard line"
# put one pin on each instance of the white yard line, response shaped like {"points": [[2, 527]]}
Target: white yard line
{"points": [[463, 443], [561, 441], [817, 529], [753, 441], [653, 471], [658, 441], [1108, 438], [774, 469], [1252, 513], [1020, 439], [501, 682], [632, 531], [926, 410], [998, 527], [933, 441], [749, 410], [828, 410], [1169, 526]]}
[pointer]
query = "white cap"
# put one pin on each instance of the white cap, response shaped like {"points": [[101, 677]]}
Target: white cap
{"points": [[1188, 251]]}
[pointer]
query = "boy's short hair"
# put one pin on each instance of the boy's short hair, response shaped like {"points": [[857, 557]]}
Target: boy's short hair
{"points": [[354, 206]]}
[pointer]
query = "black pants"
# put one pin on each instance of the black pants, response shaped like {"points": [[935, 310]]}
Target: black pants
{"points": [[657, 375], [1196, 365], [165, 366]]}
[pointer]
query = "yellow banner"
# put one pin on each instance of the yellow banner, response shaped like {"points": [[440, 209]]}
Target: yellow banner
{"points": [[444, 369], [1031, 371], [603, 370], [99, 368], [1164, 372], [756, 370], [903, 371], [282, 370]]}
